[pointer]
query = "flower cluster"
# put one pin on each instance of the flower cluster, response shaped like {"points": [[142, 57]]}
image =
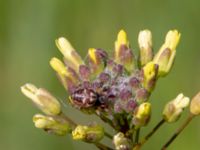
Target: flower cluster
{"points": [[116, 89]]}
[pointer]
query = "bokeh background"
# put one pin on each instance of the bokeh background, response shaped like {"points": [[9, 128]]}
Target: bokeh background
{"points": [[28, 29]]}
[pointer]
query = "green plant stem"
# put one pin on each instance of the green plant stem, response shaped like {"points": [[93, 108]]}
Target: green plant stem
{"points": [[70, 121], [158, 125], [105, 119], [178, 131], [102, 146], [108, 135], [137, 135]]}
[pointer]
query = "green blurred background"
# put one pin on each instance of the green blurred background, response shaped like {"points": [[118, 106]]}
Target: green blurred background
{"points": [[28, 29]]}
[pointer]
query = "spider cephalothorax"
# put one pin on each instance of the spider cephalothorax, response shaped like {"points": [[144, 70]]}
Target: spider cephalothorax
{"points": [[84, 98]]}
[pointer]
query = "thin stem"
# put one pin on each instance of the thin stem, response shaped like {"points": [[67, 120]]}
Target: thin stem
{"points": [[153, 131], [71, 122], [108, 135], [102, 146], [158, 125], [178, 131], [105, 119], [137, 135]]}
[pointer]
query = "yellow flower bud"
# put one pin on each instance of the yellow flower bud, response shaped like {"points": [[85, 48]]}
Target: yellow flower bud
{"points": [[51, 124], [121, 40], [142, 115], [173, 109], [97, 60], [42, 99], [195, 104], [59, 67], [67, 76], [145, 45], [123, 53], [150, 71], [72, 58], [89, 134], [165, 56]]}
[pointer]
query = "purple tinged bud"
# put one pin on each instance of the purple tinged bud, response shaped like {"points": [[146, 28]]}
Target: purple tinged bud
{"points": [[164, 60], [118, 69], [110, 64], [134, 82], [142, 95], [123, 55], [125, 94], [101, 53], [126, 58], [131, 105], [96, 59], [84, 72], [104, 77]]}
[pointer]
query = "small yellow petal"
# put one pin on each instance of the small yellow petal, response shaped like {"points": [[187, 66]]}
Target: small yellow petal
{"points": [[92, 55], [172, 39], [122, 37]]}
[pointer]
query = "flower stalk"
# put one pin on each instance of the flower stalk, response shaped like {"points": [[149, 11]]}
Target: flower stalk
{"points": [[177, 132]]}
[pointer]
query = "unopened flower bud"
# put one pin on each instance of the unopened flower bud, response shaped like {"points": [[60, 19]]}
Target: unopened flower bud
{"points": [[195, 104], [97, 59], [165, 56], [59, 66], [91, 134], [150, 71], [173, 109], [72, 58], [67, 75], [121, 142], [121, 40], [84, 72], [51, 124], [142, 95], [123, 53], [142, 115], [42, 99], [145, 45]]}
